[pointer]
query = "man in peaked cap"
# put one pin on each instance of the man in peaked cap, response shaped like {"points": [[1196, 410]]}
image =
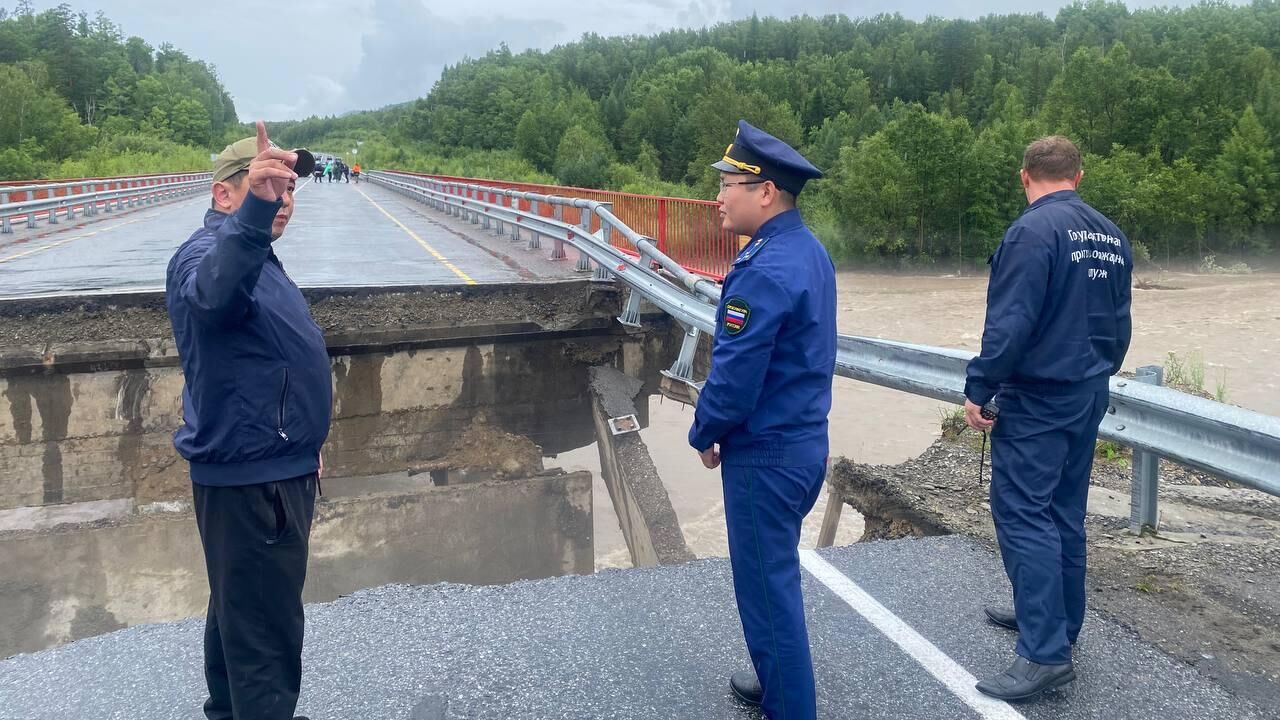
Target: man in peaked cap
{"points": [[255, 411], [762, 414]]}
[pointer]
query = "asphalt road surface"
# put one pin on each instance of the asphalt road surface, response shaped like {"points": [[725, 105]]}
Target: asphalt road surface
{"points": [[341, 235], [896, 630]]}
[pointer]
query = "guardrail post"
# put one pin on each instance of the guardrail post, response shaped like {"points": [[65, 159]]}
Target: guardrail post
{"points": [[1145, 486], [106, 205], [53, 213], [91, 204], [682, 368], [5, 228], [631, 311], [557, 252], [606, 236], [515, 230], [584, 262], [31, 218], [535, 240]]}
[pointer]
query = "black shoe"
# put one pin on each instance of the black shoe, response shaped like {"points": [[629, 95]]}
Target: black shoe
{"points": [[1003, 617], [1025, 679], [746, 687], [1006, 619]]}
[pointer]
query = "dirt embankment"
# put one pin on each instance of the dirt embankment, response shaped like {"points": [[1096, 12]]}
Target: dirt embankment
{"points": [[1205, 588]]}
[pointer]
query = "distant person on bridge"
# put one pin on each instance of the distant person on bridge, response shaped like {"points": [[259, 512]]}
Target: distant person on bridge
{"points": [[318, 172], [355, 172], [763, 410], [346, 173], [255, 412], [328, 170], [1057, 329]]}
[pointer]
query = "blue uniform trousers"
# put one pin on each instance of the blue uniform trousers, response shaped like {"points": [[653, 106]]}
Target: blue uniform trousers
{"points": [[1041, 457], [764, 507]]}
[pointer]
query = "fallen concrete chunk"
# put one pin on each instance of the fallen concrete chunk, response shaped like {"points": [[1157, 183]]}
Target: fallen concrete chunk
{"points": [[649, 523]]}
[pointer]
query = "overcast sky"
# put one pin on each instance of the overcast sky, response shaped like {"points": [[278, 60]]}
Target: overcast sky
{"points": [[294, 58]]}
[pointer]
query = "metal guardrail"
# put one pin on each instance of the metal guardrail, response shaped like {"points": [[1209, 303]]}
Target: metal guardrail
{"points": [[1227, 441], [87, 198], [1230, 442], [685, 229]]}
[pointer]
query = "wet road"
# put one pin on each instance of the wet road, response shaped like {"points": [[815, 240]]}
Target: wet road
{"points": [[896, 631], [341, 234]]}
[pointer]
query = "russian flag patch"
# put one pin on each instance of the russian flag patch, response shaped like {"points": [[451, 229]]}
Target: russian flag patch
{"points": [[736, 314]]}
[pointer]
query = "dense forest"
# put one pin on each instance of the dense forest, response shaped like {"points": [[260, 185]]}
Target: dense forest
{"points": [[919, 125], [78, 99]]}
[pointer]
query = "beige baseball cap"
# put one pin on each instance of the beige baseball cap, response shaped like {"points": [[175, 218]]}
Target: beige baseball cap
{"points": [[238, 155]]}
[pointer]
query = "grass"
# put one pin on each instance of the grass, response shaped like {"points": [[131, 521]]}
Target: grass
{"points": [[1113, 452], [952, 421], [1184, 372], [1188, 374]]}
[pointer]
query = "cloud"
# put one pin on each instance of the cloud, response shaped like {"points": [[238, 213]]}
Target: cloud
{"points": [[319, 95], [325, 57], [410, 45]]}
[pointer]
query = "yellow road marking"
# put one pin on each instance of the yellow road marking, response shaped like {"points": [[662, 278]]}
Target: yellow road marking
{"points": [[50, 246], [443, 260]]}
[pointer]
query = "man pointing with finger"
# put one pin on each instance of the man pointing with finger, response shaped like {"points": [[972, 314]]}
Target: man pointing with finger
{"points": [[255, 411]]}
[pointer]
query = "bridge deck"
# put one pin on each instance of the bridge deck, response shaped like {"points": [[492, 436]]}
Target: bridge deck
{"points": [[340, 234], [634, 644]]}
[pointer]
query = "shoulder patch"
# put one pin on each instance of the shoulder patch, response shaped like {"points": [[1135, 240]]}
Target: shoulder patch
{"points": [[750, 249], [736, 314]]}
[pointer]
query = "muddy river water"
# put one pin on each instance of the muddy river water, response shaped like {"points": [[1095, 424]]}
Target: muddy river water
{"points": [[1232, 323]]}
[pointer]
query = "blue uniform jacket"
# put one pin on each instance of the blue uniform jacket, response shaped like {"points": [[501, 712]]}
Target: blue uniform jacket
{"points": [[255, 407], [1057, 302], [769, 391]]}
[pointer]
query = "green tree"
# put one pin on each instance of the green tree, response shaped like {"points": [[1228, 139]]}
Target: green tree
{"points": [[538, 135], [1266, 103], [1172, 206], [647, 162], [1246, 170], [583, 158], [875, 197]]}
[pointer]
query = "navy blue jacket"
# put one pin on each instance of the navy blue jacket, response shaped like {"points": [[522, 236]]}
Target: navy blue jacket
{"points": [[1057, 303], [767, 396], [255, 407]]}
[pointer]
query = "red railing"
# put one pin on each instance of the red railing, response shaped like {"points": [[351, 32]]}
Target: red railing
{"points": [[15, 191], [686, 230]]}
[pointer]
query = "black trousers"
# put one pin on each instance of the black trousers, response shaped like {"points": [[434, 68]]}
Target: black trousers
{"points": [[255, 550]]}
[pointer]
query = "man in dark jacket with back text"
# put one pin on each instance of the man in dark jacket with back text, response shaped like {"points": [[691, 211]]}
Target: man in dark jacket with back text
{"points": [[1058, 327], [255, 409]]}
